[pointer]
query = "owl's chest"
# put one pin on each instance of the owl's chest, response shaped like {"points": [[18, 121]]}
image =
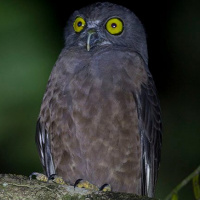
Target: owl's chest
{"points": [[94, 87], [100, 76], [98, 81], [98, 88], [95, 100]]}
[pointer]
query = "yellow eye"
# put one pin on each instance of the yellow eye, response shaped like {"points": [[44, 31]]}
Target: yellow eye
{"points": [[79, 24], [114, 26]]}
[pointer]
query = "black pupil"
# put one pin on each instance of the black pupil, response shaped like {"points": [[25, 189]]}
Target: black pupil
{"points": [[79, 24], [114, 25]]}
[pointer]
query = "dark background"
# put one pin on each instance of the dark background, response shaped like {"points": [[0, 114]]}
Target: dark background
{"points": [[31, 38]]}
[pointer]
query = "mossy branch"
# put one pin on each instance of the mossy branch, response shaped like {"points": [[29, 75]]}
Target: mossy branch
{"points": [[20, 187]]}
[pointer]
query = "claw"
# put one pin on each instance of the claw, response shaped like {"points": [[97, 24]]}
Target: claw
{"points": [[52, 177], [44, 178], [105, 188], [39, 176], [77, 182], [57, 179], [85, 184]]}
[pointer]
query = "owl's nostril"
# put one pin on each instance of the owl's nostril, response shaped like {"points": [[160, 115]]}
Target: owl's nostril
{"points": [[92, 38]]}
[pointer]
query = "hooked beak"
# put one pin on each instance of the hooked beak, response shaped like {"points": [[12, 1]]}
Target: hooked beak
{"points": [[90, 41]]}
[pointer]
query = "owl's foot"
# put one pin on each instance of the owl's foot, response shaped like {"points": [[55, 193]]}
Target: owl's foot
{"points": [[87, 185], [57, 179], [106, 188], [39, 177], [44, 178]]}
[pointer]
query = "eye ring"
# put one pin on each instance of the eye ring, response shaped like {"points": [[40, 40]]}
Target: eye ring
{"points": [[79, 24], [115, 26]]}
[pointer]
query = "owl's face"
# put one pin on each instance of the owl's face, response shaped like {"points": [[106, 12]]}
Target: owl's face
{"points": [[104, 24]]}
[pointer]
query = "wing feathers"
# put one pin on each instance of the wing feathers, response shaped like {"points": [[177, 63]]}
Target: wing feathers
{"points": [[150, 126], [43, 146]]}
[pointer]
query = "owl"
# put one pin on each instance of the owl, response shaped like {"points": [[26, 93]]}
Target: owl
{"points": [[100, 116]]}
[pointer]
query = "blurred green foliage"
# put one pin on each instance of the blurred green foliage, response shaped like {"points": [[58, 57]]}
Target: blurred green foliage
{"points": [[29, 46], [28, 50], [180, 103]]}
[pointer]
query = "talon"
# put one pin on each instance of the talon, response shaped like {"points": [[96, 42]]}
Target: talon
{"points": [[44, 178], [52, 177], [39, 176], [77, 182], [57, 179], [80, 183], [105, 188]]}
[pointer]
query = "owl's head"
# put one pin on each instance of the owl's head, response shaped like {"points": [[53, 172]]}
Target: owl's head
{"points": [[104, 24]]}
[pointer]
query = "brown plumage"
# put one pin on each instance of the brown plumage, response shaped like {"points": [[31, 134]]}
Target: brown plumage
{"points": [[100, 116]]}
